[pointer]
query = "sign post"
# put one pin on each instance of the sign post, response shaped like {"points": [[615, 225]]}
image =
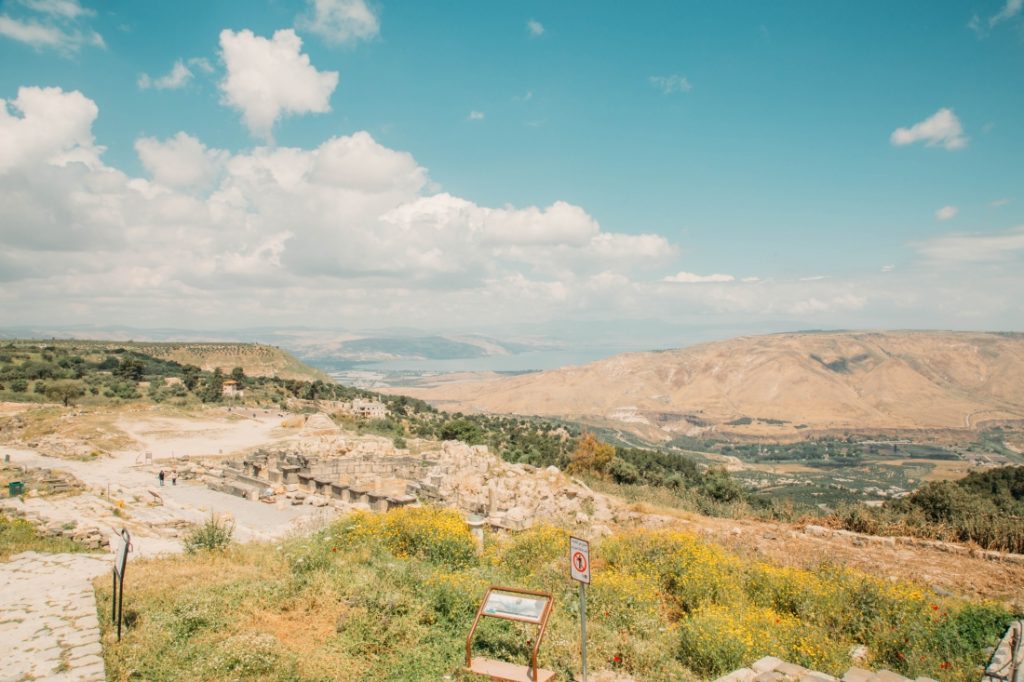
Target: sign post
{"points": [[522, 606], [579, 570], [117, 593]]}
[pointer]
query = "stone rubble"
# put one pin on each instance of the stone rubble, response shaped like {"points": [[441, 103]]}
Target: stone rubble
{"points": [[773, 669], [347, 473]]}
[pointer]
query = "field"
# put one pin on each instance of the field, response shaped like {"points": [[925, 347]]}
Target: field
{"points": [[392, 597]]}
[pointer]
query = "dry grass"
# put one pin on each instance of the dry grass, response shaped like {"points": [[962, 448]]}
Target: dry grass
{"points": [[18, 535], [370, 599]]}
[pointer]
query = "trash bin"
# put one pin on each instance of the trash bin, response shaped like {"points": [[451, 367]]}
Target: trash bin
{"points": [[15, 488]]}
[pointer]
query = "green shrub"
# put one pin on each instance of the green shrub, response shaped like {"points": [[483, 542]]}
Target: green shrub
{"points": [[717, 639], [212, 535], [437, 535], [522, 553]]}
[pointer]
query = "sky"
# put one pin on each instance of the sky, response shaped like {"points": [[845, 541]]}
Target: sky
{"points": [[652, 173]]}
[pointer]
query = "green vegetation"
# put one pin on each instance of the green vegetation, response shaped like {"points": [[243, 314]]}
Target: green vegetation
{"points": [[97, 373], [391, 597], [213, 535], [985, 508], [840, 453], [19, 535]]}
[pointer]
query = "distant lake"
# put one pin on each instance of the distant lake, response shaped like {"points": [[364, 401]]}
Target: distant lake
{"points": [[519, 362]]}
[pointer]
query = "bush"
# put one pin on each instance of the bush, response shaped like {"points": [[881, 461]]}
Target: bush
{"points": [[437, 535], [212, 535], [717, 639], [691, 572], [524, 552]]}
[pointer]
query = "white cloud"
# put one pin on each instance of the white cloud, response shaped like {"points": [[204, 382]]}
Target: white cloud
{"points": [[941, 129], [670, 84], [54, 126], [560, 223], [32, 33], [691, 278], [66, 9], [269, 78], [181, 161], [535, 28], [996, 203], [975, 25], [339, 21], [888, 268], [201, 63], [946, 213], [976, 248], [1009, 11], [814, 305], [51, 24], [476, 116], [177, 77], [352, 232]]}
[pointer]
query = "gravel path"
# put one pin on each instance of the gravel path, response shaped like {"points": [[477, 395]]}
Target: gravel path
{"points": [[49, 629]]}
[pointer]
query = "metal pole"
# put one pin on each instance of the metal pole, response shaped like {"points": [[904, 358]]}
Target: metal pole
{"points": [[113, 597], [120, 604], [583, 627]]}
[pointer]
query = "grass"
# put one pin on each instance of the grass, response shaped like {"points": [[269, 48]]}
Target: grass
{"points": [[19, 535], [392, 597]]}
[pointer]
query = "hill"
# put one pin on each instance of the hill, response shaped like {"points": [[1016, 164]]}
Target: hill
{"points": [[255, 359], [782, 386]]}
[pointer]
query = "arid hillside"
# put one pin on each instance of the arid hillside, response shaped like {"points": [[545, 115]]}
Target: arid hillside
{"points": [[256, 359], [783, 385]]}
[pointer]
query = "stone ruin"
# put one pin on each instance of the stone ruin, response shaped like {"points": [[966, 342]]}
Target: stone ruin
{"points": [[297, 479], [372, 474]]}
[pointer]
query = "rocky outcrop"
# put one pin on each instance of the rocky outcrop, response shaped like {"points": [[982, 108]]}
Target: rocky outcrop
{"points": [[772, 669]]}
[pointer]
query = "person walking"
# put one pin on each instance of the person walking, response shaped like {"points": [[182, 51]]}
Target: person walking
{"points": [[161, 477], [174, 477]]}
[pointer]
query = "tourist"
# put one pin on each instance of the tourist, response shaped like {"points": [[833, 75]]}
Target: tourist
{"points": [[174, 477], [161, 477]]}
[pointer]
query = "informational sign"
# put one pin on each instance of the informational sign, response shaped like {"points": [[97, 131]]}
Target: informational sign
{"points": [[121, 560], [117, 591], [579, 560], [527, 608], [524, 606]]}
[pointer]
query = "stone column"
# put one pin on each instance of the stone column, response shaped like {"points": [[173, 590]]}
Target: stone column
{"points": [[476, 529]]}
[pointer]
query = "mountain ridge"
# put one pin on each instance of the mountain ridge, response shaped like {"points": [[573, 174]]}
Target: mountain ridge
{"points": [[778, 384]]}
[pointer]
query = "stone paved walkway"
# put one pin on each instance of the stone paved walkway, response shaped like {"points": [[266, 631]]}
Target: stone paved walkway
{"points": [[49, 630]]}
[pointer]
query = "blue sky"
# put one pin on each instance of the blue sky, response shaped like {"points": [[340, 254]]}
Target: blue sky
{"points": [[694, 146]]}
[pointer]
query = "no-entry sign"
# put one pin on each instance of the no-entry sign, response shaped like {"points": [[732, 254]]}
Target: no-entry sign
{"points": [[579, 560]]}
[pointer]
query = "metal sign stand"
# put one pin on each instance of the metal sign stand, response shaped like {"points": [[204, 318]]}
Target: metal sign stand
{"points": [[579, 570], [522, 606], [117, 593]]}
